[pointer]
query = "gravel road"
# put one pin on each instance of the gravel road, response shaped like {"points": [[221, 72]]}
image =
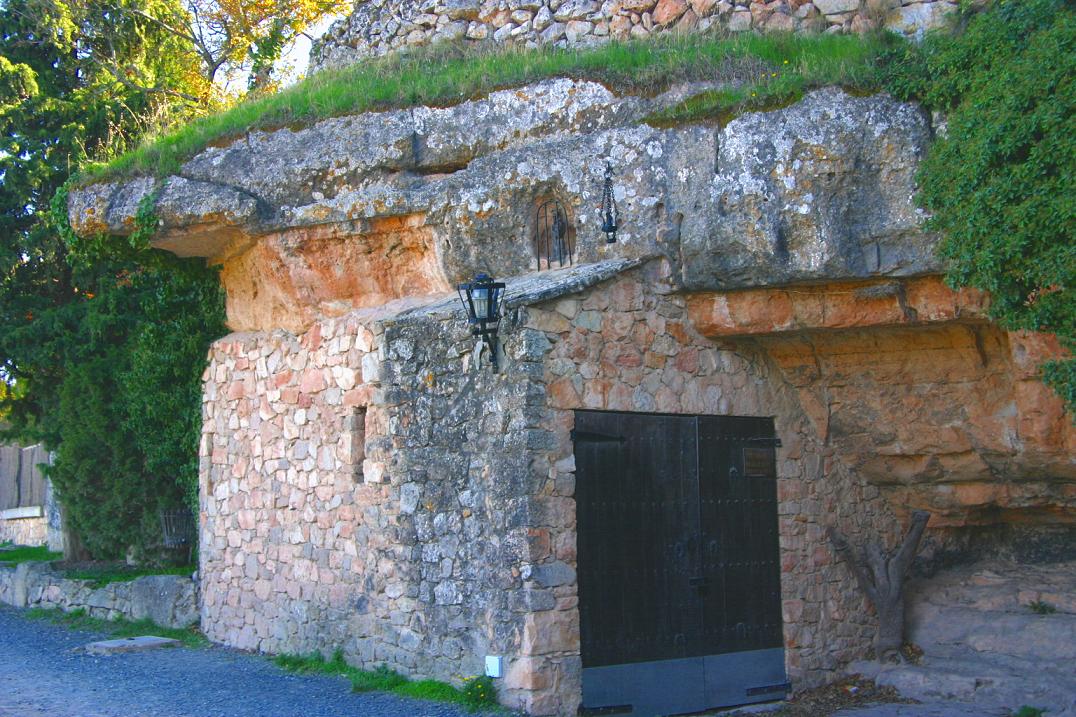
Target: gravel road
{"points": [[42, 676]]}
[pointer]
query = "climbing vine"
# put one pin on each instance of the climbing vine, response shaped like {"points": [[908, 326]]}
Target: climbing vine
{"points": [[998, 181]]}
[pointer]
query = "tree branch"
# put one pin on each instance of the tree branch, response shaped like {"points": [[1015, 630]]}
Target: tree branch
{"points": [[900, 564], [855, 562], [177, 31], [120, 77]]}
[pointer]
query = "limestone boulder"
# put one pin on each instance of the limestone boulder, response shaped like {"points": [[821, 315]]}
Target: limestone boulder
{"points": [[108, 207], [820, 189], [168, 600]]}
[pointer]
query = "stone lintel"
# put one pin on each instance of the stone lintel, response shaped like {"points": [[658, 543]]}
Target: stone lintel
{"points": [[837, 305], [33, 511]]}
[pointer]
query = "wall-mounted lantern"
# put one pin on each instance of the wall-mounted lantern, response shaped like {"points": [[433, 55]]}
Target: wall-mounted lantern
{"points": [[482, 301], [610, 214]]}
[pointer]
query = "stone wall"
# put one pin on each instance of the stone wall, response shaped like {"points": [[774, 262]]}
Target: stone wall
{"points": [[167, 600], [380, 27], [367, 488], [623, 347], [361, 490], [29, 528]]}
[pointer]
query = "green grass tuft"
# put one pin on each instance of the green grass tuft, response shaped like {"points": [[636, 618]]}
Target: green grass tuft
{"points": [[1027, 711], [477, 692], [381, 679], [770, 66], [121, 627], [430, 690], [1041, 608], [22, 554]]}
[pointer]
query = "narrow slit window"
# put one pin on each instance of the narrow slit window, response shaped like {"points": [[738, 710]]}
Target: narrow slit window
{"points": [[554, 235], [353, 441]]}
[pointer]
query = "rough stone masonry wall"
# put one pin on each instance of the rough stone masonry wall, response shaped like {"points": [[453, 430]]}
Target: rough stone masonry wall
{"points": [[24, 531], [364, 490], [451, 534], [623, 347], [379, 27], [167, 600], [282, 489]]}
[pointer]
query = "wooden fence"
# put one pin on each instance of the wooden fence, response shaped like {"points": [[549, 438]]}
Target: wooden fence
{"points": [[22, 484]]}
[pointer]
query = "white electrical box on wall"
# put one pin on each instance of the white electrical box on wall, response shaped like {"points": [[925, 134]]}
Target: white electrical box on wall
{"points": [[494, 666]]}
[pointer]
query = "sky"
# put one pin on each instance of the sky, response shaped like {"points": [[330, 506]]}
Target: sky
{"points": [[298, 55]]}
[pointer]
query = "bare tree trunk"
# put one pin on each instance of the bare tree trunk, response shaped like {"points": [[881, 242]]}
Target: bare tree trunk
{"points": [[73, 548], [881, 576]]}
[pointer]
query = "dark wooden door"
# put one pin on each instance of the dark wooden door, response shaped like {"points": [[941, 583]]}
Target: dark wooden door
{"points": [[677, 551]]}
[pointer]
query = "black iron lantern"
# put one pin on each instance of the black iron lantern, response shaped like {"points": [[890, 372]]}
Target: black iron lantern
{"points": [[610, 214], [482, 301]]}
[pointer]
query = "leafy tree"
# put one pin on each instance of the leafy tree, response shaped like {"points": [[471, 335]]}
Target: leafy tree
{"points": [[999, 183], [78, 327], [236, 37]]}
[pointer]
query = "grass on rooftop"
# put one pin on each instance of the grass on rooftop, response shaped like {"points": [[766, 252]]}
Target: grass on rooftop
{"points": [[758, 70], [79, 620]]}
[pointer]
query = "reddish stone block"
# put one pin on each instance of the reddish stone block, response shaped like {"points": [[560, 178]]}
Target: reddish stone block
{"points": [[538, 544], [313, 381], [688, 360], [628, 357]]}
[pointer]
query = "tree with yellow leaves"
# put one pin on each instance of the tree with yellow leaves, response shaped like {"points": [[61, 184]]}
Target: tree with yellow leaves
{"points": [[231, 39]]}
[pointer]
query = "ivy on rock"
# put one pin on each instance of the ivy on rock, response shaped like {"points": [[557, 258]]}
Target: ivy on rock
{"points": [[999, 179]]}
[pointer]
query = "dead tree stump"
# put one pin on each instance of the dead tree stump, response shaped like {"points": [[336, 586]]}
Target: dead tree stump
{"points": [[881, 575]]}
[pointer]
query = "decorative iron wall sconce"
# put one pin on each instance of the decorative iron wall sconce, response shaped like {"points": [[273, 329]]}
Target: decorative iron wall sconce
{"points": [[610, 214], [552, 236], [482, 301]]}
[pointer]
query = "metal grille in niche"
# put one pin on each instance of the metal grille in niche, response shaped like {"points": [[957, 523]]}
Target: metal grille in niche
{"points": [[553, 243]]}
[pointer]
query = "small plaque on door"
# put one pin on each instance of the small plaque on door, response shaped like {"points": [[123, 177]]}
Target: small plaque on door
{"points": [[758, 462]]}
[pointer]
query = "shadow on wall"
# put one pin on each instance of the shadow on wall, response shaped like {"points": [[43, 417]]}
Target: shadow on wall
{"points": [[289, 278]]}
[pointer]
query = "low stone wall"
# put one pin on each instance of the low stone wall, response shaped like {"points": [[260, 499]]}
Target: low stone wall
{"points": [[168, 600], [24, 526], [379, 27]]}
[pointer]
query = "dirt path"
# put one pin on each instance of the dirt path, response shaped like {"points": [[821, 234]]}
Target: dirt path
{"points": [[41, 675]]}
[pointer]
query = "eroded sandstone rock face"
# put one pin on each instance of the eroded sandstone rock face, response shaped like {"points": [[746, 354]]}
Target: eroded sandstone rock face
{"points": [[918, 392]]}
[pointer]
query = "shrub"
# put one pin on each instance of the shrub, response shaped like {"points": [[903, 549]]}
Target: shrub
{"points": [[129, 415]]}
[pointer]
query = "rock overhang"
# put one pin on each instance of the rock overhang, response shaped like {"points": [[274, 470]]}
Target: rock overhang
{"points": [[794, 231], [816, 191]]}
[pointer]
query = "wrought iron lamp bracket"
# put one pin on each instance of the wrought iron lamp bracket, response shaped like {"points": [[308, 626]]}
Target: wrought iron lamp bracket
{"points": [[482, 301]]}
